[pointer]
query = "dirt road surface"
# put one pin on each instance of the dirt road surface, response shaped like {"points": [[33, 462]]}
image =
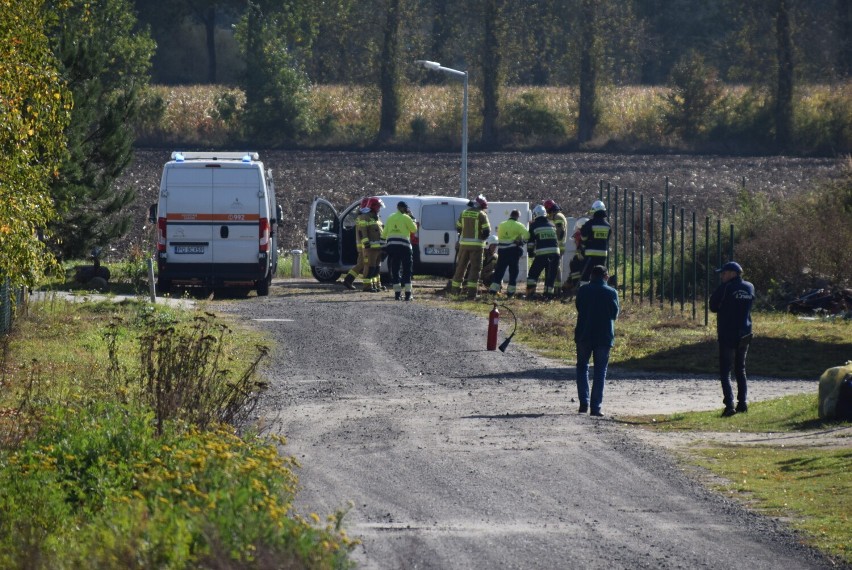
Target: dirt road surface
{"points": [[455, 457]]}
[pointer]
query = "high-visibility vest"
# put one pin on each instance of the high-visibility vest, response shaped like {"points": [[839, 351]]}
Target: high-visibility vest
{"points": [[595, 236], [543, 237], [473, 227], [398, 229]]}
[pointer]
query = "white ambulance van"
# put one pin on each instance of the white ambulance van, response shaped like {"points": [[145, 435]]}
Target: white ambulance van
{"points": [[331, 235], [217, 221]]}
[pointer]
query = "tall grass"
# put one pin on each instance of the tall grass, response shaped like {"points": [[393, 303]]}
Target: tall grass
{"points": [[631, 117], [115, 451]]}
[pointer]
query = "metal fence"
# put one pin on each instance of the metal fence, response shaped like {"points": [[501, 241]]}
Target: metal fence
{"points": [[661, 253], [11, 298]]}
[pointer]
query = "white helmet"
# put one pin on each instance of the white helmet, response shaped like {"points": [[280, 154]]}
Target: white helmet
{"points": [[539, 211], [491, 240], [598, 206]]}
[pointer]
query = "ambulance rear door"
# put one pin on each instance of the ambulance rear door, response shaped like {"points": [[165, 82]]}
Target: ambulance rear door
{"points": [[189, 205]]}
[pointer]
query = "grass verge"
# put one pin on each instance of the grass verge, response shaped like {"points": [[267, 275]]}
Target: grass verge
{"points": [[665, 340], [809, 487], [114, 452]]}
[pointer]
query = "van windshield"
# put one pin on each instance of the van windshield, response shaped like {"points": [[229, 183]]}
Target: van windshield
{"points": [[440, 216]]}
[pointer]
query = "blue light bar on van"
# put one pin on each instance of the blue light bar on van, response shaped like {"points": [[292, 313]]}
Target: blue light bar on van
{"points": [[178, 157], [247, 158]]}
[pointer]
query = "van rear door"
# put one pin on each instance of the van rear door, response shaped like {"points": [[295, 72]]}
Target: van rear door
{"points": [[188, 220], [238, 200]]}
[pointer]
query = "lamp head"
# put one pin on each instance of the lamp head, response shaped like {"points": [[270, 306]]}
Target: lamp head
{"points": [[433, 65]]}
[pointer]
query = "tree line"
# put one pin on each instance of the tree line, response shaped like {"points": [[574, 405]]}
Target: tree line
{"points": [[105, 53]]}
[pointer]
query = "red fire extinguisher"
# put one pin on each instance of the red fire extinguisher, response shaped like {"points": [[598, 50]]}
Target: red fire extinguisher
{"points": [[493, 323]]}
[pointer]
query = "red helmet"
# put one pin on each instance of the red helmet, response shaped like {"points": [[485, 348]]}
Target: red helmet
{"points": [[550, 206], [364, 201], [375, 204], [482, 202]]}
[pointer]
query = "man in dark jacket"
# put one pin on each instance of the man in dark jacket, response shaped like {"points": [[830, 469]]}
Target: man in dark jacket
{"points": [[597, 309], [732, 302]]}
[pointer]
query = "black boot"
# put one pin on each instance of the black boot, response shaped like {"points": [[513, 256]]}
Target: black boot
{"points": [[348, 280], [408, 295], [396, 295]]}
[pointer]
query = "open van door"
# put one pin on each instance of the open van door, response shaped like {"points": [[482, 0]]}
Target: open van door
{"points": [[324, 241]]}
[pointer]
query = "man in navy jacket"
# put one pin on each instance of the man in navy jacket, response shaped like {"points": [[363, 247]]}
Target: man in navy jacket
{"points": [[732, 302], [597, 309]]}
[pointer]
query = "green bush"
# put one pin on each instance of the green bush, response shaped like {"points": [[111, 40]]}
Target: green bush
{"points": [[528, 121], [783, 256], [97, 487], [691, 101]]}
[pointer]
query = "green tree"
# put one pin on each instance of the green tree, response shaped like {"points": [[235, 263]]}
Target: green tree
{"points": [[389, 75], [35, 105], [105, 60], [274, 37], [695, 89], [587, 118]]}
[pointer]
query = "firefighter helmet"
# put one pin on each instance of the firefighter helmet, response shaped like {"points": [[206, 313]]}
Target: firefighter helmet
{"points": [[491, 240], [539, 211], [481, 202], [598, 206], [364, 202], [551, 206], [375, 204]]}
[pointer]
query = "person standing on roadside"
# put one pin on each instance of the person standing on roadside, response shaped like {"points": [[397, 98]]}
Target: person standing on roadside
{"points": [[511, 236], [360, 266], [543, 246], [372, 231], [397, 235], [594, 334], [474, 228], [732, 301], [560, 222]]}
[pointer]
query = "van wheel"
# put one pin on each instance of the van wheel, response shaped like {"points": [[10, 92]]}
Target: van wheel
{"points": [[325, 274], [263, 287]]}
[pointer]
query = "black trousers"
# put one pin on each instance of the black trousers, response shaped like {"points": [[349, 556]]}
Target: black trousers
{"points": [[399, 263], [549, 264], [733, 358], [507, 257]]}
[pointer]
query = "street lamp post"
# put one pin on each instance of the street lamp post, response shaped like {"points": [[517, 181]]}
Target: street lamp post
{"points": [[435, 66]]}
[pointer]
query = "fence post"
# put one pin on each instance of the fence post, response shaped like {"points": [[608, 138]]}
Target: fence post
{"points": [[665, 225], [296, 270], [641, 247], [632, 243], [682, 266], [694, 267], [615, 237], [672, 275], [731, 258], [152, 287], [651, 257], [706, 268], [624, 243]]}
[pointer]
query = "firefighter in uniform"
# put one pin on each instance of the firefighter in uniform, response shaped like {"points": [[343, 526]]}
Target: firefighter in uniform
{"points": [[544, 245], [594, 236], [489, 260], [372, 245], [359, 268], [474, 228], [560, 222], [575, 266], [397, 235], [511, 236]]}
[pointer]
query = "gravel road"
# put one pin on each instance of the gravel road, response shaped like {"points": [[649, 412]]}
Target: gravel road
{"points": [[455, 457]]}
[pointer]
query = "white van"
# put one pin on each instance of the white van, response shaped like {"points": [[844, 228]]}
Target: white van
{"points": [[331, 235], [216, 222]]}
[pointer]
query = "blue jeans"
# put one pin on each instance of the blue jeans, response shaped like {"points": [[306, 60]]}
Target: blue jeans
{"points": [[601, 355]]}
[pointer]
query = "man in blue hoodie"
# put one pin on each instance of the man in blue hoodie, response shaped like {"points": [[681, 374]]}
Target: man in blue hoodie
{"points": [[597, 309], [732, 302]]}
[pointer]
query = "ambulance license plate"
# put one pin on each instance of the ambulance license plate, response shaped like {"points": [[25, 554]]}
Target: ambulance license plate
{"points": [[430, 250], [189, 249]]}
